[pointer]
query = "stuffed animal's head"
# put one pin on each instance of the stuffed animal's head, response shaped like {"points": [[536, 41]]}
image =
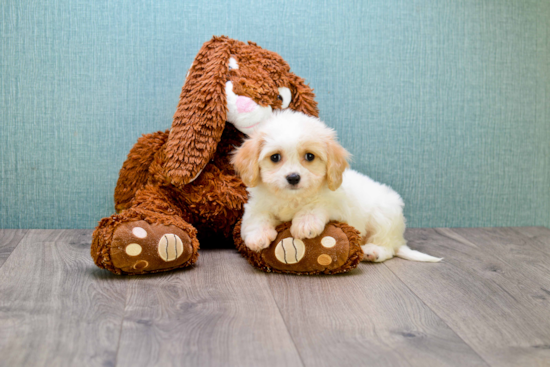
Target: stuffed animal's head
{"points": [[229, 81]]}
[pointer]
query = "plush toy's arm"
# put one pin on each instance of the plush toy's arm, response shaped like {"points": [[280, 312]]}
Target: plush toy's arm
{"points": [[215, 196], [135, 170]]}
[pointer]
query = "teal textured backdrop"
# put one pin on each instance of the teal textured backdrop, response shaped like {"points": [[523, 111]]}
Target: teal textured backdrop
{"points": [[447, 101]]}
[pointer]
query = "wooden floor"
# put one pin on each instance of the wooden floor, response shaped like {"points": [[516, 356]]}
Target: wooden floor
{"points": [[486, 304]]}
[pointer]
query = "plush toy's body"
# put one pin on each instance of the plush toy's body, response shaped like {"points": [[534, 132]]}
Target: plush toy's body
{"points": [[178, 182]]}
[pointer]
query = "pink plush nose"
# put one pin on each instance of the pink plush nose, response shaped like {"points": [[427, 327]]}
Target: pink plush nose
{"points": [[245, 104]]}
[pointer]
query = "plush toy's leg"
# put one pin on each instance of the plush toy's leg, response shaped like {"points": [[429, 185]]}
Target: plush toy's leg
{"points": [[336, 250], [149, 237]]}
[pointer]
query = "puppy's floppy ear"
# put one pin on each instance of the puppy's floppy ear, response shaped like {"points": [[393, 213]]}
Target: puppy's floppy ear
{"points": [[337, 162], [303, 98], [200, 117], [245, 160]]}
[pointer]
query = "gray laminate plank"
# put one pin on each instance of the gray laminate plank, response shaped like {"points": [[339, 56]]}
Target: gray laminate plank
{"points": [[530, 256], [9, 239], [484, 290], [218, 313], [366, 317], [539, 236], [56, 307]]}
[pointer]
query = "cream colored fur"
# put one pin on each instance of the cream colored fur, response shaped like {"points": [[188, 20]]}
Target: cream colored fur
{"points": [[328, 189]]}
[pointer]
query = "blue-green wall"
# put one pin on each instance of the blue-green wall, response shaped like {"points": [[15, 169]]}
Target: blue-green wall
{"points": [[447, 101]]}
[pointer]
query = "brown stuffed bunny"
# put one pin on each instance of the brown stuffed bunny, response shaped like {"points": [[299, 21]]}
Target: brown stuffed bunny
{"points": [[178, 182]]}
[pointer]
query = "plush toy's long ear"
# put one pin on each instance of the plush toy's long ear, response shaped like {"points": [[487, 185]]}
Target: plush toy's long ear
{"points": [[200, 118], [303, 98]]}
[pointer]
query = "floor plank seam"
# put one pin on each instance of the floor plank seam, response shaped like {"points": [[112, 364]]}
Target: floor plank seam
{"points": [[495, 256], [12, 251], [121, 326], [439, 316], [286, 326]]}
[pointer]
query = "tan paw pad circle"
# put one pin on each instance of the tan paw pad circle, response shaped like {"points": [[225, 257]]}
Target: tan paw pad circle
{"points": [[170, 247], [139, 232], [324, 259], [290, 250], [328, 241], [141, 264], [133, 249]]}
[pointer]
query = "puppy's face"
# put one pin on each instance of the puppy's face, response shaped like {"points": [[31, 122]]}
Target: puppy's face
{"points": [[294, 166], [293, 153]]}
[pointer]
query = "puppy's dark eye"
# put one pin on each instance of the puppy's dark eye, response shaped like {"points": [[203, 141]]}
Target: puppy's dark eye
{"points": [[279, 97], [275, 158], [309, 157]]}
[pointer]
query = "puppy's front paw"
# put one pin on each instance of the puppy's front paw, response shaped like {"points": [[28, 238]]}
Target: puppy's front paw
{"points": [[307, 226], [260, 239]]}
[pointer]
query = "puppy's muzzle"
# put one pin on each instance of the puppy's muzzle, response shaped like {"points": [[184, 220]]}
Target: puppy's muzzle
{"points": [[293, 178]]}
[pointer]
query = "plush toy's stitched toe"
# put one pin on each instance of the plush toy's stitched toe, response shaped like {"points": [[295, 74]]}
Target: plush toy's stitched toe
{"points": [[290, 250]]}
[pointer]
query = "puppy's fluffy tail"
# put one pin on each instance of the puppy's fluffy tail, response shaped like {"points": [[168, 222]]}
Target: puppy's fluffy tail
{"points": [[405, 252]]}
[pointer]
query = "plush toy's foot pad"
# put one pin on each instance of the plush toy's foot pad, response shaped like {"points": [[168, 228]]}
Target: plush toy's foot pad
{"points": [[336, 250], [139, 247]]}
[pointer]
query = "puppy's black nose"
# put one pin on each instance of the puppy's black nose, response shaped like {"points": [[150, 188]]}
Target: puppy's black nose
{"points": [[293, 178]]}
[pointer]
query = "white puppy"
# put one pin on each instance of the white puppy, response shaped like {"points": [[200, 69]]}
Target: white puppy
{"points": [[296, 171]]}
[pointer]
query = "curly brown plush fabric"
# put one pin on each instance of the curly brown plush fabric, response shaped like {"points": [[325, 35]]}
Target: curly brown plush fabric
{"points": [[177, 183], [181, 180]]}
